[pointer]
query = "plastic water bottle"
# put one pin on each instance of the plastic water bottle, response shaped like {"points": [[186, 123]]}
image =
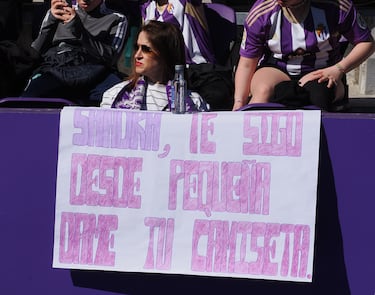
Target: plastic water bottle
{"points": [[179, 90]]}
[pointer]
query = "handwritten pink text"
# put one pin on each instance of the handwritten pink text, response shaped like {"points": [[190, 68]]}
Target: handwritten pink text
{"points": [[161, 235], [273, 134], [105, 181], [199, 135], [255, 248], [237, 187], [117, 129], [87, 240]]}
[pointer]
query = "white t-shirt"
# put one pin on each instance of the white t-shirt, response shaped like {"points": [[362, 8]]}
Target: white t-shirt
{"points": [[156, 97]]}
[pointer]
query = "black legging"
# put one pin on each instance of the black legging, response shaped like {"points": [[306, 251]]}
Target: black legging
{"points": [[320, 95]]}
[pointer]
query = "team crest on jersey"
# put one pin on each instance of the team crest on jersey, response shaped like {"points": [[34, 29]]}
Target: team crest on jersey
{"points": [[170, 8], [321, 32]]}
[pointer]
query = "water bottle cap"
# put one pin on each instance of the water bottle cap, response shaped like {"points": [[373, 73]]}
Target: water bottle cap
{"points": [[179, 67]]}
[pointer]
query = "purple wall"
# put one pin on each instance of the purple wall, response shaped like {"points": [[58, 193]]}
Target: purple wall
{"points": [[28, 160], [351, 147]]}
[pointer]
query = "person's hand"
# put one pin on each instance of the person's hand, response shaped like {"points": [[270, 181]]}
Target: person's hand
{"points": [[332, 75], [61, 11], [69, 14], [58, 9]]}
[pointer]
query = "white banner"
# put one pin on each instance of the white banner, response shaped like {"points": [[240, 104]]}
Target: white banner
{"points": [[216, 194]]}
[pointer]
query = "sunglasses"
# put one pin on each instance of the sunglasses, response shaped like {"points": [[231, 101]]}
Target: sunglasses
{"points": [[144, 48]]}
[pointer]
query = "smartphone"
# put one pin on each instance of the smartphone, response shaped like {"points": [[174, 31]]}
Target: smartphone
{"points": [[69, 2]]}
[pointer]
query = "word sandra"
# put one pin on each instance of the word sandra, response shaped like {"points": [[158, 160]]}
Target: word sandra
{"points": [[236, 187], [254, 248], [106, 181], [87, 240], [117, 129]]}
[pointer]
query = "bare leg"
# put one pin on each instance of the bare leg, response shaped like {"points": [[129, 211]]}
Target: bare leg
{"points": [[264, 82]]}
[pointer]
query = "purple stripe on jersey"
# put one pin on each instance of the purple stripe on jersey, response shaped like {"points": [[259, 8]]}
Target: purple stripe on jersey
{"points": [[286, 37], [311, 45], [320, 37], [201, 37], [193, 31]]}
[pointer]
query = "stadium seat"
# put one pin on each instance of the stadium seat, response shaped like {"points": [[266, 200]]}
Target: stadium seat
{"points": [[269, 106], [35, 102], [223, 29]]}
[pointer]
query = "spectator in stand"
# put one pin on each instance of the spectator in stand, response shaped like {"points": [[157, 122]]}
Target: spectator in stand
{"points": [[212, 82], [295, 45], [79, 45], [159, 47], [189, 16]]}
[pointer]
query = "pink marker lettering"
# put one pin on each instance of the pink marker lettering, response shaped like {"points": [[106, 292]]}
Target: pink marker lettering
{"points": [[103, 123], [300, 251], [258, 231], [93, 186], [129, 183], [276, 134], [221, 246], [176, 174], [287, 229], [198, 261], [105, 181], [106, 240], [124, 130], [206, 128], [82, 121], [242, 187], [79, 234], [217, 246], [244, 230], [145, 131], [272, 230], [295, 263], [260, 202], [164, 245]]}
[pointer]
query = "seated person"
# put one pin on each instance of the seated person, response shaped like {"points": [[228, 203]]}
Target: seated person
{"points": [[189, 16], [79, 46], [298, 42], [159, 47], [213, 82]]}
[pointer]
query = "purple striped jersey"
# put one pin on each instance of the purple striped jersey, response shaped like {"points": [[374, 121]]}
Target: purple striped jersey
{"points": [[189, 16], [299, 48]]}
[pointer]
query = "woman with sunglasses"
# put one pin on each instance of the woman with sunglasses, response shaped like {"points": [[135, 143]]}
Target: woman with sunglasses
{"points": [[211, 80], [159, 47]]}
